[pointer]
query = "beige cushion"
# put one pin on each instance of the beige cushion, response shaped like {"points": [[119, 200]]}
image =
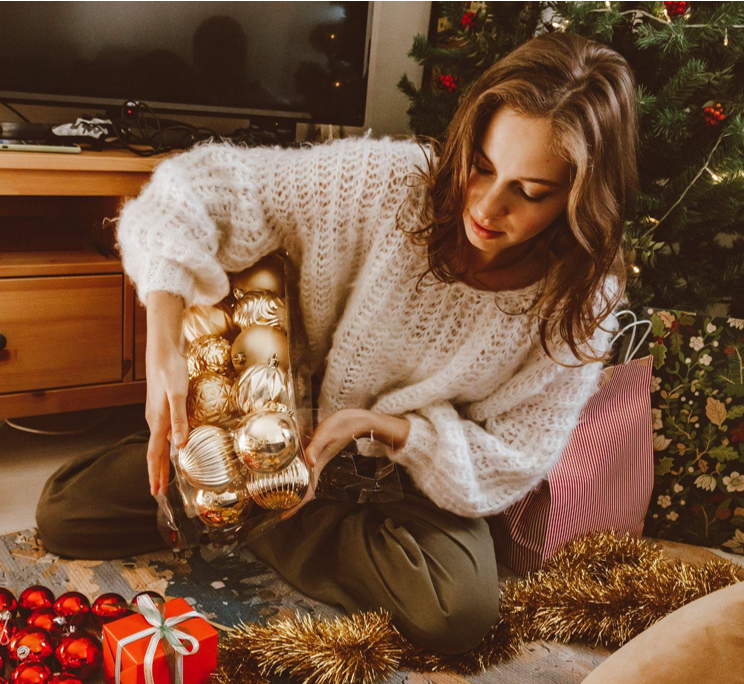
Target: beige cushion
{"points": [[699, 643]]}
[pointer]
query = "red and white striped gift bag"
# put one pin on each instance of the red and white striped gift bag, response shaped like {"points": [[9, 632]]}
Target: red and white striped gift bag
{"points": [[602, 481]]}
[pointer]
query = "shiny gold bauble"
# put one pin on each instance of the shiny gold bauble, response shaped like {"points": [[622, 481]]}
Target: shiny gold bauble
{"points": [[281, 490], [266, 274], [209, 354], [264, 385], [209, 400], [220, 509], [266, 441], [208, 460], [199, 321], [258, 307], [258, 344]]}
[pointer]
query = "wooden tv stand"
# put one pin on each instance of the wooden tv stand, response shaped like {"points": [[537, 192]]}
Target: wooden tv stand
{"points": [[74, 336]]}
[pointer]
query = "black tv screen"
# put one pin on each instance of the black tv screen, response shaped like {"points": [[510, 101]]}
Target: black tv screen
{"points": [[302, 60]]}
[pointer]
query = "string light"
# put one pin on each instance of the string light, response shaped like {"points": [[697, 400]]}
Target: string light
{"points": [[636, 269], [333, 35], [337, 84], [607, 4], [725, 37], [663, 20], [714, 176]]}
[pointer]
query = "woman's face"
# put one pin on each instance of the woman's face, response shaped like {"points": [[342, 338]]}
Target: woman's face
{"points": [[517, 187]]}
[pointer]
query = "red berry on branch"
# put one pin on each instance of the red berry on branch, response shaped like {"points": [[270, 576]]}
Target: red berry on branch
{"points": [[676, 9], [468, 20]]}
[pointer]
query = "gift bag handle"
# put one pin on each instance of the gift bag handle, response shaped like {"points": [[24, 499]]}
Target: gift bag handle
{"points": [[630, 354]]}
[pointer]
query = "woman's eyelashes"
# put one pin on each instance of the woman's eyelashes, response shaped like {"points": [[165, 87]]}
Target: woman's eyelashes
{"points": [[482, 171]]}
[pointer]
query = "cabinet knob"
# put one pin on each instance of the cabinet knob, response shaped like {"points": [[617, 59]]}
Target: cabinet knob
{"points": [[3, 342]]}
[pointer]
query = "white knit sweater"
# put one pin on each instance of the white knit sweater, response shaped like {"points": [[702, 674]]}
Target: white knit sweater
{"points": [[490, 413]]}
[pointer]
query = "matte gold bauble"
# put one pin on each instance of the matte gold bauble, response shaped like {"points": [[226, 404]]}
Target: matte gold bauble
{"points": [[258, 307], [266, 274], [264, 385], [280, 490], [199, 321], [258, 344], [208, 459], [209, 400], [209, 354], [220, 509], [266, 441]]}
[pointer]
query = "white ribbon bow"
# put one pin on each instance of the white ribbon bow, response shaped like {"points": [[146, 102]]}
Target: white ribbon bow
{"points": [[162, 628]]}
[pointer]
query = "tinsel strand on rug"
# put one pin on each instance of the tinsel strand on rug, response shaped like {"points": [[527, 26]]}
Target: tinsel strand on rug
{"points": [[601, 589]]}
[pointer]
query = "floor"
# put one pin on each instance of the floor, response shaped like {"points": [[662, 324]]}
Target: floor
{"points": [[27, 459]]}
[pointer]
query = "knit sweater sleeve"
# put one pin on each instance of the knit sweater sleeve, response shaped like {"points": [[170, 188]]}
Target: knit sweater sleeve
{"points": [[219, 207], [478, 459]]}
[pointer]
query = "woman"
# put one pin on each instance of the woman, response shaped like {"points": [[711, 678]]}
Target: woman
{"points": [[463, 317]]}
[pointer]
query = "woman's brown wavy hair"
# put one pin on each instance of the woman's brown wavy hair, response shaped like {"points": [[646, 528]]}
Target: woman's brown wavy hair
{"points": [[587, 91]]}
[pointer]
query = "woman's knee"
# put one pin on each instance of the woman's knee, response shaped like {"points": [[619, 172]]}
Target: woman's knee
{"points": [[55, 529], [461, 623]]}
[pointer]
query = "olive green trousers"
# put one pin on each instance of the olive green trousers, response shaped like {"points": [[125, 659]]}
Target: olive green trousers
{"points": [[434, 571]]}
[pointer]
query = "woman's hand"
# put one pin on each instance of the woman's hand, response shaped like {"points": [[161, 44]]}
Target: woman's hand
{"points": [[340, 428], [167, 386]]}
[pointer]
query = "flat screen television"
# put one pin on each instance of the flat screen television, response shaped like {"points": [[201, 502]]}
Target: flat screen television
{"points": [[306, 61]]}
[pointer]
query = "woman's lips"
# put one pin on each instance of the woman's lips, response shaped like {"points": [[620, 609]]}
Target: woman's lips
{"points": [[482, 232]]}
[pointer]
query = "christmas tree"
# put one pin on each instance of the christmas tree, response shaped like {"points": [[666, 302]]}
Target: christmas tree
{"points": [[685, 242]]}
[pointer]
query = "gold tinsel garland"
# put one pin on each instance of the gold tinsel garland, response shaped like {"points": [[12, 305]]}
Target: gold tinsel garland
{"points": [[601, 589]]}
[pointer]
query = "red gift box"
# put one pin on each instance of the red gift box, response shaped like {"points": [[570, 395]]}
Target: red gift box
{"points": [[197, 666]]}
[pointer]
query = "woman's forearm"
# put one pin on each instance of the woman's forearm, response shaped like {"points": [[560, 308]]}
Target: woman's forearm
{"points": [[164, 318], [391, 430]]}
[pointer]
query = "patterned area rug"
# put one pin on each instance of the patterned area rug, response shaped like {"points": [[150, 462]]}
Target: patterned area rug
{"points": [[235, 588]]}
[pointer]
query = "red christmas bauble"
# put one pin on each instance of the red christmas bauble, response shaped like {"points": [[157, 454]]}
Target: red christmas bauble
{"points": [[7, 601], [71, 603], [8, 628], [80, 654], [30, 643], [468, 20], [110, 607], [157, 599], [64, 678], [33, 598], [31, 673], [48, 620]]}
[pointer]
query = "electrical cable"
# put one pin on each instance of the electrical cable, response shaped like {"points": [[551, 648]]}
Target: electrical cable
{"points": [[56, 433], [141, 134], [15, 111]]}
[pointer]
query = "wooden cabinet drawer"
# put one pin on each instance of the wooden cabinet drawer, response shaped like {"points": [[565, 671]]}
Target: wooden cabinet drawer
{"points": [[61, 331], [140, 340]]}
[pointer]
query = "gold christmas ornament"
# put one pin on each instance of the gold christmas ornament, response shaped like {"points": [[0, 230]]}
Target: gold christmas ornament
{"points": [[257, 344], [266, 441], [264, 385], [258, 307], [220, 509], [266, 274], [208, 460], [209, 400], [280, 490], [209, 354], [199, 321]]}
